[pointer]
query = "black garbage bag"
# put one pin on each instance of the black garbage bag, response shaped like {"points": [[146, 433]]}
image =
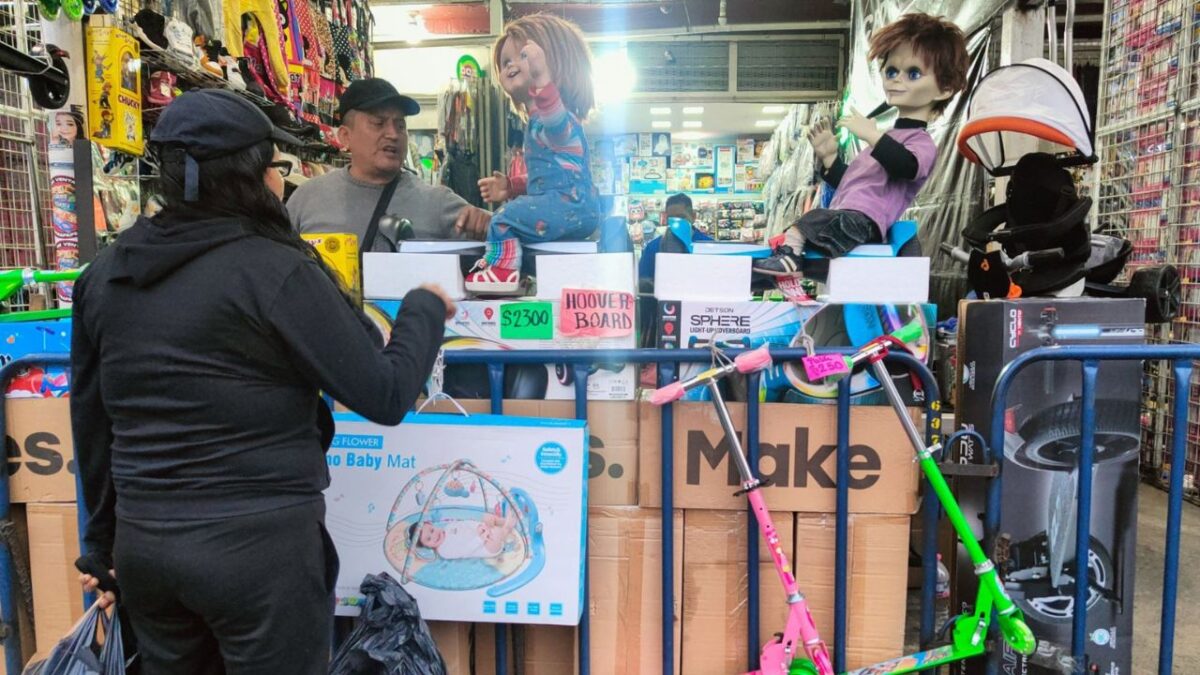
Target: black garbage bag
{"points": [[389, 637]]}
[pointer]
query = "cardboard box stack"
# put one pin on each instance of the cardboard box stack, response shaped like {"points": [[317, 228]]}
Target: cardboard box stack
{"points": [[711, 525], [42, 484]]}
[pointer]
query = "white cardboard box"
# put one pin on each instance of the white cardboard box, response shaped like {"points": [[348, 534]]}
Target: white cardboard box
{"points": [[872, 280], [600, 271], [711, 278], [446, 476], [463, 247], [389, 276], [531, 323]]}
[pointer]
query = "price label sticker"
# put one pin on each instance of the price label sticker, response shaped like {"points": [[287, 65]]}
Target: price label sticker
{"points": [[527, 321], [821, 366]]}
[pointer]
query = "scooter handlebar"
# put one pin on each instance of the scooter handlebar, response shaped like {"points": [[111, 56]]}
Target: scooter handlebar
{"points": [[754, 360], [668, 394]]}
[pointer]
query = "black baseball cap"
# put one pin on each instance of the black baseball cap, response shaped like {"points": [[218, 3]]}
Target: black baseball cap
{"points": [[374, 93], [210, 123]]}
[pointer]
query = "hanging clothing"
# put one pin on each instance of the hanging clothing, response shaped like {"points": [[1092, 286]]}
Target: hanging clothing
{"points": [[460, 173], [264, 12]]}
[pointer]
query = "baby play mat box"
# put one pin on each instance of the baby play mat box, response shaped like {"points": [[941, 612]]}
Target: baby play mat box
{"points": [[480, 518]]}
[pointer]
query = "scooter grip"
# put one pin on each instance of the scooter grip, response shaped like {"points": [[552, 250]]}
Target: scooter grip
{"points": [[668, 394], [753, 361]]}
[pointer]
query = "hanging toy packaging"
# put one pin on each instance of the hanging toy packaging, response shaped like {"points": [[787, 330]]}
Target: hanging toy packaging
{"points": [[480, 518]]}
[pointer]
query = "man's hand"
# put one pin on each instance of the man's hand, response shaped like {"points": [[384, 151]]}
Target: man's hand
{"points": [[824, 143], [473, 222], [535, 61], [494, 188], [441, 293], [863, 128]]}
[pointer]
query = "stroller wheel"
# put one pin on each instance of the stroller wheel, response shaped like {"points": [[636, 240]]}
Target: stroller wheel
{"points": [[1052, 436], [1159, 285]]}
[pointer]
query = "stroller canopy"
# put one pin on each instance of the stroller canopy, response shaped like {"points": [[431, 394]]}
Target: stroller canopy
{"points": [[1035, 98]]}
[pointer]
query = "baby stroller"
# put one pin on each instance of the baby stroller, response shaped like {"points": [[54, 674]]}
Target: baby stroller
{"points": [[1039, 242]]}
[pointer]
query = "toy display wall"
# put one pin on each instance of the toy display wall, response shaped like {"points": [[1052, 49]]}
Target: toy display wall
{"points": [[24, 194], [1148, 182], [639, 171]]}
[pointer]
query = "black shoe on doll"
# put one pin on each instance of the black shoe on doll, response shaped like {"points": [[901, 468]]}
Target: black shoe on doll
{"points": [[784, 263]]}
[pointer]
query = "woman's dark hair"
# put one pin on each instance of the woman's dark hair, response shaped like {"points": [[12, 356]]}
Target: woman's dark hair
{"points": [[232, 186]]}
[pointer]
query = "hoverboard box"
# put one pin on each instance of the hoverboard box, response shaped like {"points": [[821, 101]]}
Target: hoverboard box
{"points": [[1040, 470], [480, 518]]}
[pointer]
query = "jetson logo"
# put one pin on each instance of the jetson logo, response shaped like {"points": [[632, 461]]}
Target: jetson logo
{"points": [[795, 465]]}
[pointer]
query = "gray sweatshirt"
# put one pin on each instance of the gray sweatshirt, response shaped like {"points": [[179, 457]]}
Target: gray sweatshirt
{"points": [[336, 202]]}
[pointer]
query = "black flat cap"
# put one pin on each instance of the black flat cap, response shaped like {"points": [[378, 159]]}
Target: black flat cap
{"points": [[210, 123], [374, 93]]}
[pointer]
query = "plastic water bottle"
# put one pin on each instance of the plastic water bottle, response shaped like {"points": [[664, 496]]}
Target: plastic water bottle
{"points": [[941, 600]]}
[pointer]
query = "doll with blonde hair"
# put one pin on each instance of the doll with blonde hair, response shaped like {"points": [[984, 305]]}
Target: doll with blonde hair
{"points": [[542, 62]]}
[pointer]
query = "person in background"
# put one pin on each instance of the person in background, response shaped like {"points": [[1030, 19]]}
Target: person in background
{"points": [[201, 341], [375, 132], [678, 206]]}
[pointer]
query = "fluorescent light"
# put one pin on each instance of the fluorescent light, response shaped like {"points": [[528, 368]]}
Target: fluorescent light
{"points": [[661, 111], [692, 124], [767, 123], [693, 110], [774, 109], [613, 77], [661, 124]]}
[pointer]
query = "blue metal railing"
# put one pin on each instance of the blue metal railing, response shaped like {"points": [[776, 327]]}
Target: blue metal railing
{"points": [[1090, 356], [579, 361], [668, 361]]}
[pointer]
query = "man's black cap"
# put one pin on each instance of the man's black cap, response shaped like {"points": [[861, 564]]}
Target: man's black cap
{"points": [[374, 93], [212, 123]]}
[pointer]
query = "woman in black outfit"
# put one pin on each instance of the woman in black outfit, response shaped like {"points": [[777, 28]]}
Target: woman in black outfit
{"points": [[201, 339]]}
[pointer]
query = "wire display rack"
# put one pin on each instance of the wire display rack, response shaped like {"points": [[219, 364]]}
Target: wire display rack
{"points": [[24, 197], [1148, 186]]}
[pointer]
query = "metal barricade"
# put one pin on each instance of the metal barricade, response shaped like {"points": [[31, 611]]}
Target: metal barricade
{"points": [[1090, 356], [579, 361], [668, 361]]}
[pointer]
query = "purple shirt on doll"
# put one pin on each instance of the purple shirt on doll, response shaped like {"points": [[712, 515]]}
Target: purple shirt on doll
{"points": [[866, 188]]}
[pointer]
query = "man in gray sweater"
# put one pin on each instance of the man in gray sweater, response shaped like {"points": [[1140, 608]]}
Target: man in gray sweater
{"points": [[375, 132]]}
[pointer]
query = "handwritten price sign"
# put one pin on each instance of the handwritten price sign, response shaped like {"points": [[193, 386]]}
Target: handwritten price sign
{"points": [[821, 366], [594, 313]]}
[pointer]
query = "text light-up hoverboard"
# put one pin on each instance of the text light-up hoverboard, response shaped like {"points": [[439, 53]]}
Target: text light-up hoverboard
{"points": [[799, 650]]}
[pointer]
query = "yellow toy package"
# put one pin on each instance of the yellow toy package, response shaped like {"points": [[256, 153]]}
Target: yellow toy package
{"points": [[340, 252]]}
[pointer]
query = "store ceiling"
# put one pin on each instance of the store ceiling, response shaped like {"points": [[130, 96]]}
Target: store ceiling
{"points": [[717, 119]]}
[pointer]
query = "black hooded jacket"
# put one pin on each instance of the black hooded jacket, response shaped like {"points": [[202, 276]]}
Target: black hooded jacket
{"points": [[197, 353]]}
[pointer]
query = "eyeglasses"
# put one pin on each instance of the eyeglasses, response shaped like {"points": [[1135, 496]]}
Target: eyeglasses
{"points": [[283, 166]]}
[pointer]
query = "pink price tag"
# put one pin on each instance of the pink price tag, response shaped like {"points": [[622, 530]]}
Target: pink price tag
{"points": [[822, 366]]}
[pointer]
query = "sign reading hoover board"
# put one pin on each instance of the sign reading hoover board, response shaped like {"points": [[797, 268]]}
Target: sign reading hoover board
{"points": [[595, 313]]}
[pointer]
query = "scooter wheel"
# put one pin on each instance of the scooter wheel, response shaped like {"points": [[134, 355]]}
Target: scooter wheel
{"points": [[49, 9], [73, 9], [1052, 436], [1159, 286], [45, 93]]}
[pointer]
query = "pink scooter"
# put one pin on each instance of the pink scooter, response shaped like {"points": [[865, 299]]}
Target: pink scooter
{"points": [[780, 655]]}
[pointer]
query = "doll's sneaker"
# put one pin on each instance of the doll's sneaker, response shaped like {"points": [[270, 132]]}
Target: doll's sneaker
{"points": [[784, 263], [493, 281]]}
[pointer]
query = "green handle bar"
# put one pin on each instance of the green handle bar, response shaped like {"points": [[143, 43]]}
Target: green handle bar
{"points": [[12, 281]]}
